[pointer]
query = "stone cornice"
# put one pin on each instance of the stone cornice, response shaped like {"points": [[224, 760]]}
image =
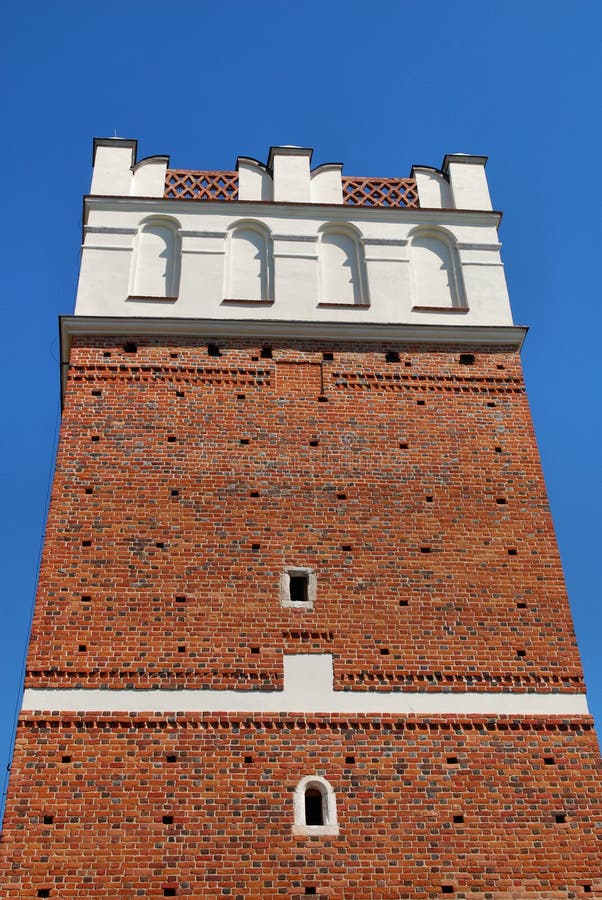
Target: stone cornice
{"points": [[507, 336], [510, 336]]}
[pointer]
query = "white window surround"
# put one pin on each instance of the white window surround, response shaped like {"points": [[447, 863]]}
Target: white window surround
{"points": [[329, 807], [285, 588], [435, 270]]}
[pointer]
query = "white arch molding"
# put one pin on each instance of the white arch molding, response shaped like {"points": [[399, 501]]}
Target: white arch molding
{"points": [[342, 267], [249, 262], [436, 278], [156, 260]]}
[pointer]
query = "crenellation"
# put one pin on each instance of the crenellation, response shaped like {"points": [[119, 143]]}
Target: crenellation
{"points": [[333, 248]]}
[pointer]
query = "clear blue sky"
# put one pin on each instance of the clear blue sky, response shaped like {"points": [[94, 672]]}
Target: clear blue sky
{"points": [[377, 86]]}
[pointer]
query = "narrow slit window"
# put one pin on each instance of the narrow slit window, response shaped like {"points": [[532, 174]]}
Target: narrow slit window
{"points": [[314, 807]]}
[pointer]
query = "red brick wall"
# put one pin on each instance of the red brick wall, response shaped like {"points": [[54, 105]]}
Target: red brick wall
{"points": [[286, 461], [231, 832], [428, 596]]}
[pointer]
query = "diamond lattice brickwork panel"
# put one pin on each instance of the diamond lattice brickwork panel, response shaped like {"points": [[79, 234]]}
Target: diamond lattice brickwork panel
{"points": [[183, 184], [388, 192], [186, 184]]}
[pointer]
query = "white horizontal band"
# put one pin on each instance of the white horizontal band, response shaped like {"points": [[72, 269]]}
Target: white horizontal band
{"points": [[169, 701], [308, 681]]}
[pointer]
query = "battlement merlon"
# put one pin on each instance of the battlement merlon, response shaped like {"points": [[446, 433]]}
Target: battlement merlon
{"points": [[461, 183]]}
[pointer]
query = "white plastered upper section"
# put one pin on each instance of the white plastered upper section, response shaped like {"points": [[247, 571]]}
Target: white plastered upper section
{"points": [[296, 206], [383, 239]]}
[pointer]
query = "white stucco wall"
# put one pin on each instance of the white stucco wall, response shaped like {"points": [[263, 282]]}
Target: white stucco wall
{"points": [[468, 181], [148, 177], [433, 188], [383, 243]]}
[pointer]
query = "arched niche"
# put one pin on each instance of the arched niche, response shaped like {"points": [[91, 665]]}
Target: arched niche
{"points": [[156, 263], [314, 807], [342, 275], [249, 261], [435, 270]]}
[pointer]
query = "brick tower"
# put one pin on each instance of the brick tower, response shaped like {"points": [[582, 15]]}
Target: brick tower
{"points": [[301, 627]]}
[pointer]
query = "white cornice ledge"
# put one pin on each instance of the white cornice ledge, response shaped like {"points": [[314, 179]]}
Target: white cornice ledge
{"points": [[511, 336], [425, 214]]}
